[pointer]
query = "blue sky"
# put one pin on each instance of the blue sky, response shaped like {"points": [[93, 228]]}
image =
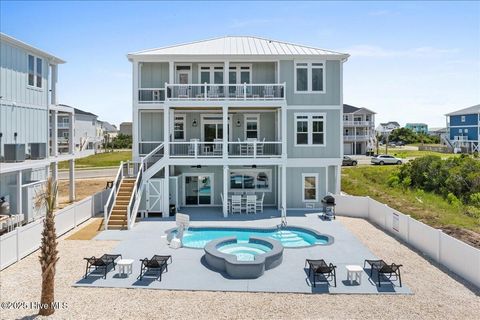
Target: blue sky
{"points": [[410, 61]]}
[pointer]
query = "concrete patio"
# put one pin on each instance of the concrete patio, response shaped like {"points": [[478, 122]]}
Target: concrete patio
{"points": [[189, 271]]}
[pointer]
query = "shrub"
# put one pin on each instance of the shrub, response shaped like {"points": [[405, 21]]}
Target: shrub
{"points": [[453, 200], [475, 199], [472, 211], [393, 181]]}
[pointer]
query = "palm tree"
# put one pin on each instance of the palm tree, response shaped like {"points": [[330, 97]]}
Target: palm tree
{"points": [[46, 199]]}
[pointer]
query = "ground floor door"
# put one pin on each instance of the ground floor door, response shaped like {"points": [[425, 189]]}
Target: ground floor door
{"points": [[198, 189], [154, 195]]}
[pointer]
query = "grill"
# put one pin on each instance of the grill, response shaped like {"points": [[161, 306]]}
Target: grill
{"points": [[328, 200], [328, 207]]}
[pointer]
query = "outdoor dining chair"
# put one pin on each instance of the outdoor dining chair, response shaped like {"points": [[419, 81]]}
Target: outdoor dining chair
{"points": [[236, 204], [251, 203]]}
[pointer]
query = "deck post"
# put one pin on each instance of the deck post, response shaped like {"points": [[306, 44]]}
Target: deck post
{"points": [[225, 191], [19, 192], [225, 133], [284, 188], [284, 131], [54, 151], [166, 132], [71, 177], [166, 193]]}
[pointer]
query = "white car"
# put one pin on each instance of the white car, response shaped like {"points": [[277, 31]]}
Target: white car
{"points": [[385, 159]]}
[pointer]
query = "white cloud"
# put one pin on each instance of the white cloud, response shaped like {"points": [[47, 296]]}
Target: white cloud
{"points": [[371, 51]]}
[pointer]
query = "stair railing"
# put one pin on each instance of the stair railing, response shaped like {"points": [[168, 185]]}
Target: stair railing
{"points": [[107, 210]]}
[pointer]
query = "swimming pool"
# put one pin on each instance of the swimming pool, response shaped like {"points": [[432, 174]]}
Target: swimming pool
{"points": [[244, 250], [289, 237]]}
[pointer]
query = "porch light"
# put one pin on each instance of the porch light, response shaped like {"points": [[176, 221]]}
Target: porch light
{"points": [[239, 124], [194, 123]]}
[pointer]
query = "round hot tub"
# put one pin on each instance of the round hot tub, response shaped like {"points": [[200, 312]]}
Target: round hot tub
{"points": [[243, 259]]}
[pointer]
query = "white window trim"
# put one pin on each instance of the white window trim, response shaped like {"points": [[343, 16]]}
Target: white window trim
{"points": [[212, 188], [251, 115], [184, 125], [462, 118], [238, 70], [310, 128], [34, 86], [309, 76], [177, 78], [211, 71], [316, 176], [267, 171]]}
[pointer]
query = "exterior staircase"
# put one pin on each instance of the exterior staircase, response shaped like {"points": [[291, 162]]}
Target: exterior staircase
{"points": [[118, 218]]}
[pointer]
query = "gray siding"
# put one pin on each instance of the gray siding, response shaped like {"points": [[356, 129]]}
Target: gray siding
{"points": [[333, 138], [332, 85], [331, 179], [263, 72], [295, 186], [14, 78], [29, 123], [153, 75], [151, 126]]}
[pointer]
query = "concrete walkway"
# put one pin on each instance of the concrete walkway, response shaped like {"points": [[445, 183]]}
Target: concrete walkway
{"points": [[189, 271]]}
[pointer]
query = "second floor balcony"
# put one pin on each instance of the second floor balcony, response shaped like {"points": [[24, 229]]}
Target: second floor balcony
{"points": [[358, 123], [212, 92]]}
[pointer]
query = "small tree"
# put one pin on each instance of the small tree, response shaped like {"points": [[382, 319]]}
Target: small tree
{"points": [[46, 199]]}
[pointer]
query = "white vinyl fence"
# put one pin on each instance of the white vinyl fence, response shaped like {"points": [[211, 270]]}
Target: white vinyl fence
{"points": [[22, 241], [457, 256]]}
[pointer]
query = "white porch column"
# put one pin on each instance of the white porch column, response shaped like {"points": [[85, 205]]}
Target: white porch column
{"points": [[326, 179], [284, 131], [226, 78], [225, 132], [225, 191], [19, 192], [171, 72], [166, 131], [55, 171], [338, 176], [71, 180], [135, 121], [279, 188], [166, 193], [71, 133], [284, 187], [54, 122], [53, 85]]}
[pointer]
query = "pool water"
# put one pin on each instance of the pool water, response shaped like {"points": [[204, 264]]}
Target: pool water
{"points": [[288, 237], [245, 251]]}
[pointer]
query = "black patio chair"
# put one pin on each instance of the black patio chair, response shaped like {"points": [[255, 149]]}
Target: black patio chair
{"points": [[320, 267], [382, 268], [101, 263], [157, 262]]}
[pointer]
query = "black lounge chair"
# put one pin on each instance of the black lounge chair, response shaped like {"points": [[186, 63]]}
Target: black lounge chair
{"points": [[321, 267], [382, 268], [156, 263], [101, 263]]}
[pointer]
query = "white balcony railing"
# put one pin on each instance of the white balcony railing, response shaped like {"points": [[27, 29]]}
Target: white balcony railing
{"points": [[347, 123], [356, 138], [214, 149], [460, 138], [151, 95], [216, 92], [63, 125]]}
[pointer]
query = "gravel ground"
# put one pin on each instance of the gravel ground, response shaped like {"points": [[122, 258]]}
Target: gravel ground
{"points": [[437, 295]]}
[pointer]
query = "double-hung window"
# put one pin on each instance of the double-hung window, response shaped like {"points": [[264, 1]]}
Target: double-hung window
{"points": [[310, 187], [252, 126], [309, 77], [310, 129], [179, 127], [35, 65]]}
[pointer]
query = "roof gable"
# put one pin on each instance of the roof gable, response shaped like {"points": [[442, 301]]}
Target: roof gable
{"points": [[239, 45], [469, 110]]}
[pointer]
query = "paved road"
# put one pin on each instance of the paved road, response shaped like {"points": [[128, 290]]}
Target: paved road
{"points": [[94, 173]]}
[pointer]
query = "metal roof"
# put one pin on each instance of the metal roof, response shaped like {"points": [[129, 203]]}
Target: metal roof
{"points": [[32, 49], [469, 110], [239, 46], [351, 109]]}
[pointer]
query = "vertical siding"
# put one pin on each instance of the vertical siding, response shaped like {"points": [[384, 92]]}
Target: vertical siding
{"points": [[333, 138], [332, 85], [14, 71], [153, 74], [263, 72], [295, 186], [151, 126]]}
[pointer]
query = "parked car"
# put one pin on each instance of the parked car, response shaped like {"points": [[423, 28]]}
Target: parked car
{"points": [[385, 159], [348, 161]]}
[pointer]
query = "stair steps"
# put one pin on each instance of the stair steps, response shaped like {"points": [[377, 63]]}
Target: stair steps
{"points": [[118, 217]]}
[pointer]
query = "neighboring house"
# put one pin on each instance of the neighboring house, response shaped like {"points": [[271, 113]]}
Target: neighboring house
{"points": [[437, 131], [126, 128], [29, 150], [386, 128], [236, 115], [109, 130], [358, 130], [463, 129], [88, 131], [417, 127]]}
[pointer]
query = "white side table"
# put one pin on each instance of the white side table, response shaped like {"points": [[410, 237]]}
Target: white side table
{"points": [[354, 271], [125, 267]]}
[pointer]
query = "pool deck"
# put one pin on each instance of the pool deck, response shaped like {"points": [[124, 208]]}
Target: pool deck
{"points": [[189, 271]]}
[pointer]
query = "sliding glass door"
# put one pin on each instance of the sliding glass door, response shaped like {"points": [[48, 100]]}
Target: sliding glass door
{"points": [[198, 190]]}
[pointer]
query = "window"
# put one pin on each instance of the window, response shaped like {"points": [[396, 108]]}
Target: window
{"points": [[310, 129], [238, 74], [211, 74], [465, 131], [309, 77], [462, 118], [310, 187], [258, 180], [35, 66], [179, 127], [252, 126]]}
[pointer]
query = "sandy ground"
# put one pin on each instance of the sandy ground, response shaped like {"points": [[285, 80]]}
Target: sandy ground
{"points": [[84, 188], [437, 295]]}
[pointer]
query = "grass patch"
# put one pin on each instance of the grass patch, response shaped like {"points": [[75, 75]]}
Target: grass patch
{"points": [[427, 207], [404, 153], [108, 159]]}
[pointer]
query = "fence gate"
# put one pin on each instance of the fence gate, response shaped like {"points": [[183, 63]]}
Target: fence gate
{"points": [[154, 196]]}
